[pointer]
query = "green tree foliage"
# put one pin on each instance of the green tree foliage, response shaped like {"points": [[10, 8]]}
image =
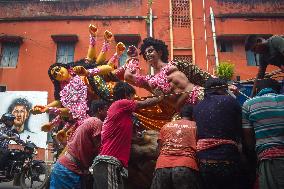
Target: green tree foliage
{"points": [[225, 70]]}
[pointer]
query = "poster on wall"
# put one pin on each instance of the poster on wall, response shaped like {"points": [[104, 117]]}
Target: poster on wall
{"points": [[19, 103]]}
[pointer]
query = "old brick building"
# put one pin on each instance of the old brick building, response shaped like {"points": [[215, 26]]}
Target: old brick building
{"points": [[35, 34], [234, 20]]}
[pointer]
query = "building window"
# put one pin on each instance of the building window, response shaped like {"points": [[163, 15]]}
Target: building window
{"points": [[183, 58], [252, 59], [9, 54], [65, 47], [181, 13], [65, 52], [226, 46], [127, 40]]}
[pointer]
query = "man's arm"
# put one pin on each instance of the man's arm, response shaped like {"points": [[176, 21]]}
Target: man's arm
{"points": [[238, 109], [248, 135], [137, 79], [96, 129], [248, 149], [260, 75], [149, 102], [159, 146], [159, 142], [249, 139], [262, 68]]}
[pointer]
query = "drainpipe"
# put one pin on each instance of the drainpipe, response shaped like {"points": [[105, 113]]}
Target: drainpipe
{"points": [[151, 21], [171, 32], [151, 32], [214, 37], [192, 32], [205, 35]]}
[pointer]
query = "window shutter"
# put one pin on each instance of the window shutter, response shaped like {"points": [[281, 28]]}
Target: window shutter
{"points": [[183, 58], [65, 52], [180, 13], [70, 53], [10, 53], [251, 58], [5, 56], [14, 55]]}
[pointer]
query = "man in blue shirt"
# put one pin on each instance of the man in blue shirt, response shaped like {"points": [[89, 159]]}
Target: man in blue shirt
{"points": [[218, 121]]}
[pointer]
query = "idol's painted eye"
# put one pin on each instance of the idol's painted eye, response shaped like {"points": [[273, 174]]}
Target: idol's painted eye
{"points": [[54, 74], [55, 71]]}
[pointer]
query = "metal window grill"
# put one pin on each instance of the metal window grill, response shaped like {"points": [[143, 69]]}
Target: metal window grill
{"points": [[183, 58], [181, 13]]}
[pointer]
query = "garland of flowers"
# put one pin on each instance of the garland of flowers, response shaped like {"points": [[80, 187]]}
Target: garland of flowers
{"points": [[93, 40], [106, 46], [74, 97]]}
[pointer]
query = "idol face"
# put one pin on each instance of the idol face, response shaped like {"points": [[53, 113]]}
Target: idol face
{"points": [[60, 73], [151, 55]]}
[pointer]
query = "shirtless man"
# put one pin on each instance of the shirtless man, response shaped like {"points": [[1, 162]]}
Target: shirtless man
{"points": [[168, 79]]}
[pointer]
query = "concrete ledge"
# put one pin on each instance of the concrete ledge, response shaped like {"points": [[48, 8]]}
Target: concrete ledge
{"points": [[251, 15], [91, 17]]}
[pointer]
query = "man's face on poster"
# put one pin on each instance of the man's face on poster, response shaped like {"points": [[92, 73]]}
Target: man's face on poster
{"points": [[21, 114]]}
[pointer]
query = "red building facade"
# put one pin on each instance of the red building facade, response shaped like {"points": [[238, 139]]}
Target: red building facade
{"points": [[234, 20], [185, 25]]}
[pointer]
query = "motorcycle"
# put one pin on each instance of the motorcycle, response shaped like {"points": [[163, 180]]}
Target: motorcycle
{"points": [[22, 166]]}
